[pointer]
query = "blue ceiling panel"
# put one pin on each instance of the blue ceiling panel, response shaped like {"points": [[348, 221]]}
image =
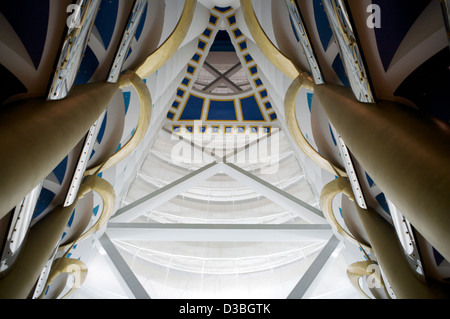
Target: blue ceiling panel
{"points": [[30, 22], [106, 20], [222, 42], [396, 19], [193, 109], [222, 111], [250, 109]]}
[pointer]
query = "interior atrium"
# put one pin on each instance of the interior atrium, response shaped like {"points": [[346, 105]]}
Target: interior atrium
{"points": [[224, 149]]}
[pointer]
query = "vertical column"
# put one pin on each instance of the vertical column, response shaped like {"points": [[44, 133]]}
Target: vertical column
{"points": [[406, 154], [384, 241], [36, 135]]}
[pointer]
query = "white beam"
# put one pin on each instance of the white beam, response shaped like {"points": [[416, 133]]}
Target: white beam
{"points": [[318, 268], [282, 198], [164, 194], [121, 270], [219, 232]]}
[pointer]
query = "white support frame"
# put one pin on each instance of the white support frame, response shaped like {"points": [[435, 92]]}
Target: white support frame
{"points": [[219, 232], [162, 195], [125, 276], [313, 275], [282, 198], [121, 226]]}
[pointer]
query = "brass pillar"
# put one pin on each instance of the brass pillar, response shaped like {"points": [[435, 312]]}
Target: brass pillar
{"points": [[36, 135], [37, 249], [404, 151], [390, 257]]}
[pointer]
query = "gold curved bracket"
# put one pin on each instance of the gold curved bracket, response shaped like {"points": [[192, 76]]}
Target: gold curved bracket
{"points": [[275, 56], [106, 192], [70, 266], [291, 120], [73, 266], [130, 78], [171, 45], [329, 192], [361, 269]]}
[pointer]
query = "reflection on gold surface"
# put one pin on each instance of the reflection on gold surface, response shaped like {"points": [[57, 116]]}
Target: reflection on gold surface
{"points": [[106, 192], [361, 269], [291, 121], [70, 266], [329, 192], [130, 78]]}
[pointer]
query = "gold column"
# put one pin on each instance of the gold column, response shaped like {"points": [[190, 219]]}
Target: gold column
{"points": [[36, 135], [145, 100], [405, 152], [293, 127], [390, 257], [42, 240]]}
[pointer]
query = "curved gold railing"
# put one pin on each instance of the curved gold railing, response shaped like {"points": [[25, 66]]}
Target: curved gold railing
{"points": [[271, 52], [74, 267], [106, 192], [300, 79], [361, 269], [294, 128], [130, 78], [171, 45], [329, 192]]}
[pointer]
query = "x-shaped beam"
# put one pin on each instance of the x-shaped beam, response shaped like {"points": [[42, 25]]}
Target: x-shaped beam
{"points": [[222, 78]]}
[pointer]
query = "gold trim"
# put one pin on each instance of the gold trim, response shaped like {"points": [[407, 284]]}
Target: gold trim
{"points": [[161, 55], [184, 107], [224, 100], [259, 107], [217, 19], [239, 45], [239, 127], [275, 56], [234, 33], [142, 126], [361, 269], [173, 117], [192, 66], [107, 193], [189, 81], [291, 120], [71, 266], [210, 34], [198, 45], [199, 57], [228, 19], [328, 193], [270, 117], [223, 12]]}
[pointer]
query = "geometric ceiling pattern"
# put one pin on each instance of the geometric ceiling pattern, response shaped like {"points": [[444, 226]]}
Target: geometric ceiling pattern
{"points": [[243, 98]]}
